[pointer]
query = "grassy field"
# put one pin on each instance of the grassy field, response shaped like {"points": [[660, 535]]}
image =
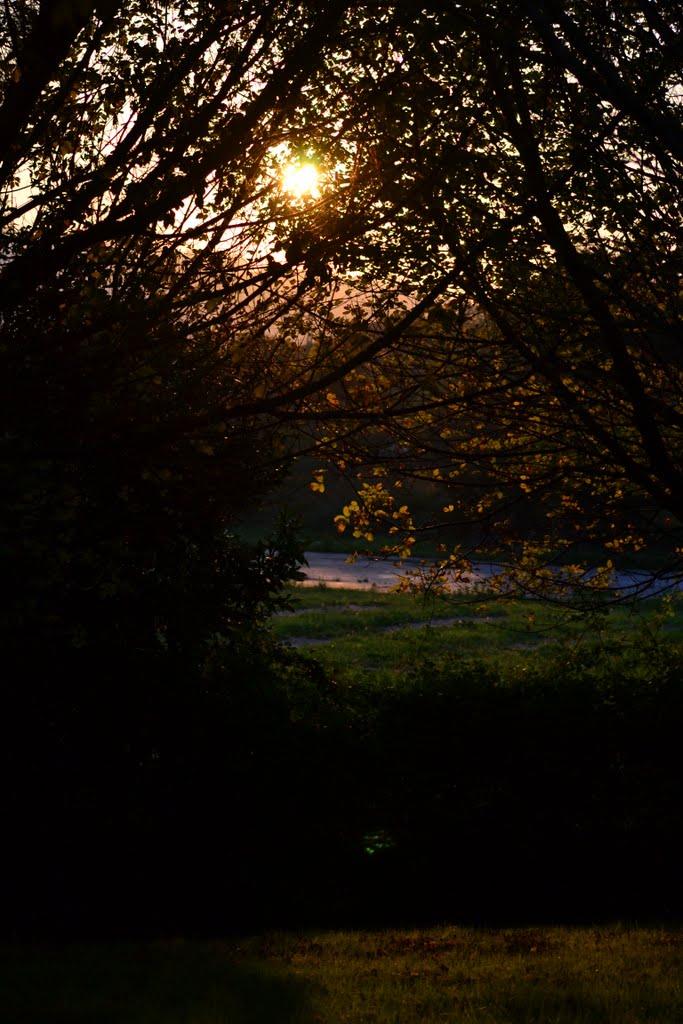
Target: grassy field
{"points": [[607, 975], [360, 631]]}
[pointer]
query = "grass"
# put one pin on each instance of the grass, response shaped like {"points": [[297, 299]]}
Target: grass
{"points": [[360, 631], [611, 975], [151, 983], [544, 975]]}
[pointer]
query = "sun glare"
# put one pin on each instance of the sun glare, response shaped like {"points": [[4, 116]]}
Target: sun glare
{"points": [[301, 180]]}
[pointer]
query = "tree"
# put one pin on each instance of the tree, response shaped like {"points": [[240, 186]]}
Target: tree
{"points": [[155, 284], [532, 151], [172, 318], [500, 168], [152, 268]]}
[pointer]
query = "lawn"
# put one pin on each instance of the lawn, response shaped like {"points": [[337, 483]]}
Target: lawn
{"points": [[596, 975], [360, 631]]}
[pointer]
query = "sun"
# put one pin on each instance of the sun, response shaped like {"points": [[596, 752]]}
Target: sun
{"points": [[301, 180]]}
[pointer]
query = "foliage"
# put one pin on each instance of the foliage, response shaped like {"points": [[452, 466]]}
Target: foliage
{"points": [[530, 153], [485, 293], [172, 800], [268, 791], [121, 253], [155, 285], [551, 792]]}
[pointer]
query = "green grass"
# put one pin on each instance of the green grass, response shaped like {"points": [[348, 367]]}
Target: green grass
{"points": [[356, 631], [611, 975]]}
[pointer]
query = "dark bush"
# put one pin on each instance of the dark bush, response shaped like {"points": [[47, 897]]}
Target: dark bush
{"points": [[554, 793], [170, 801], [258, 792]]}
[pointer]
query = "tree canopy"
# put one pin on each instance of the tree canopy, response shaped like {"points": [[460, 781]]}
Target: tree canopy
{"points": [[533, 153], [151, 264], [485, 290]]}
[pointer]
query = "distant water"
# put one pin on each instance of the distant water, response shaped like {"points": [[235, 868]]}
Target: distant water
{"points": [[333, 570]]}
